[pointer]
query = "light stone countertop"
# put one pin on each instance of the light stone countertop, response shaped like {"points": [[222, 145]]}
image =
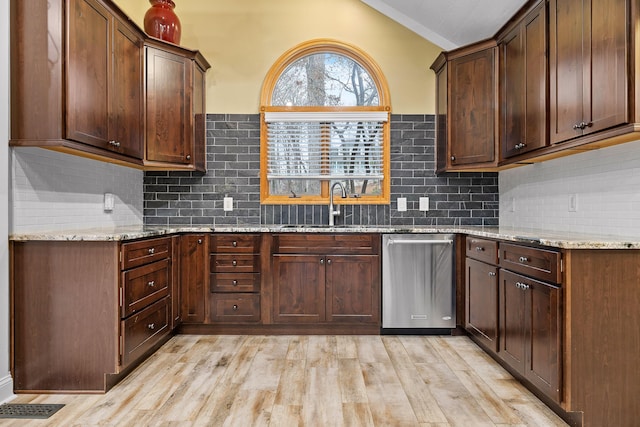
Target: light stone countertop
{"points": [[545, 238]]}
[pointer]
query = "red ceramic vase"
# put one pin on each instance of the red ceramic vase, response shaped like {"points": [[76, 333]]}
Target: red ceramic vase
{"points": [[161, 22]]}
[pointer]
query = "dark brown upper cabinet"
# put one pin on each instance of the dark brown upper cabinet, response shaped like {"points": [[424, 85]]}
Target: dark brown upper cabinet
{"points": [[589, 53], [467, 97], [524, 85], [78, 86]]}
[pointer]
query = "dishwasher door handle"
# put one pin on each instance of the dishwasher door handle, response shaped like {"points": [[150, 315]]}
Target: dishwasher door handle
{"points": [[418, 242]]}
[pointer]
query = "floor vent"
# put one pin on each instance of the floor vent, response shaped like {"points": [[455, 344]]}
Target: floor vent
{"points": [[30, 410]]}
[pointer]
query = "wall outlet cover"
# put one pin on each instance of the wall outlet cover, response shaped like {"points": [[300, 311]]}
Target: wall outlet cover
{"points": [[227, 204], [109, 202], [402, 204], [424, 204]]}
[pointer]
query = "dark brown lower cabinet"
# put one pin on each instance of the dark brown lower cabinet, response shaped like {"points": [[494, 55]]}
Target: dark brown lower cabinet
{"points": [[482, 303], [84, 313], [321, 288], [531, 330], [193, 276]]}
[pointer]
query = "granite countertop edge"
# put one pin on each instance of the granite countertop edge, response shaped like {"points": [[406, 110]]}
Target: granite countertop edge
{"points": [[544, 238]]}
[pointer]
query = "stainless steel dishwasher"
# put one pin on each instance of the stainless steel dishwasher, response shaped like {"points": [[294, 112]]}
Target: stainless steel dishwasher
{"points": [[418, 288]]}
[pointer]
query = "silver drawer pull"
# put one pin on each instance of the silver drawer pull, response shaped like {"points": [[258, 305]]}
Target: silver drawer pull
{"points": [[234, 283], [114, 143], [151, 326], [234, 244], [524, 259], [151, 283], [235, 307], [479, 249], [522, 286], [152, 251], [199, 241], [492, 274], [234, 262]]}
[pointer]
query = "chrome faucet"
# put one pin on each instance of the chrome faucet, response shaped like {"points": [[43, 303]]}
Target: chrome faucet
{"points": [[335, 211]]}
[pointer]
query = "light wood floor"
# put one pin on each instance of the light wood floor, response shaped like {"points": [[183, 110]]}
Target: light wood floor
{"points": [[323, 381]]}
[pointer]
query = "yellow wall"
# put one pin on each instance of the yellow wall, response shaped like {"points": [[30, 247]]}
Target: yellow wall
{"points": [[243, 38]]}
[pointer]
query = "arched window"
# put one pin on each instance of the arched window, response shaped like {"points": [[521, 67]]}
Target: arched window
{"points": [[324, 118]]}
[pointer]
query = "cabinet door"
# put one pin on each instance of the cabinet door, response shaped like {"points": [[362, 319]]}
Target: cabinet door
{"points": [[588, 66], [512, 320], [606, 59], [524, 85], [127, 112], [472, 108], [543, 363], [88, 65], [298, 288], [482, 302], [353, 288], [193, 274], [168, 136]]}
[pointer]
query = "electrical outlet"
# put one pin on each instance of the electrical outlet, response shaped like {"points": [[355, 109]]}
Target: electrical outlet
{"points": [[402, 204], [573, 202], [227, 204], [109, 202], [424, 204]]}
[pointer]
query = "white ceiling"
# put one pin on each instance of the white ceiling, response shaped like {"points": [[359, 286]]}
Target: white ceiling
{"points": [[449, 23]]}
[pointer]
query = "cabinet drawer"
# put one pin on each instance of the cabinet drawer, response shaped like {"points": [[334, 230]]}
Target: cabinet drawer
{"points": [[235, 282], [534, 262], [144, 329], [235, 308], [235, 243], [338, 244], [143, 252], [144, 285], [482, 250], [232, 263]]}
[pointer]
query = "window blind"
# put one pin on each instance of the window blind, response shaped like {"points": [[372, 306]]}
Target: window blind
{"points": [[325, 145]]}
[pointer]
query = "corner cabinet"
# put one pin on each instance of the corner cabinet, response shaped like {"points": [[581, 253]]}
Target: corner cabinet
{"points": [[85, 313], [78, 85], [467, 97]]}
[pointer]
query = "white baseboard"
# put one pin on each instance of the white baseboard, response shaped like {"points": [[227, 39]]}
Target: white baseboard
{"points": [[6, 389]]}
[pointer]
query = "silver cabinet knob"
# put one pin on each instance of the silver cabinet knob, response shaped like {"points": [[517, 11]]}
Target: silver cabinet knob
{"points": [[235, 307], [151, 283], [234, 283], [453, 158], [188, 156], [492, 274], [151, 326], [329, 261], [199, 241], [114, 143], [479, 249], [524, 259], [234, 262], [152, 251], [322, 261], [234, 244]]}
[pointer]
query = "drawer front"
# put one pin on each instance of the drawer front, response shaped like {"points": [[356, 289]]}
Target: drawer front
{"points": [[144, 329], [335, 244], [232, 263], [235, 282], [145, 285], [143, 252], [235, 308], [235, 243], [534, 262], [482, 250]]}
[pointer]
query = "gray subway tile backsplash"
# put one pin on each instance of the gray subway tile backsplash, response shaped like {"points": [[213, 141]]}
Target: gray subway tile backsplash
{"points": [[233, 162]]}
